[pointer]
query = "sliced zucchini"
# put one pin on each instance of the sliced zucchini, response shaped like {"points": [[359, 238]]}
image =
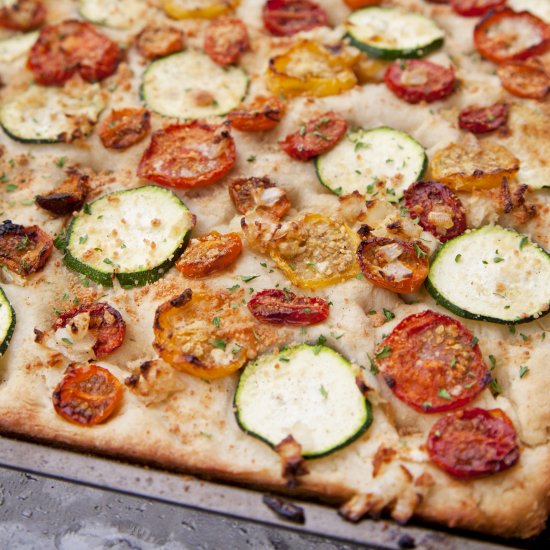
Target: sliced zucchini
{"points": [[16, 46], [135, 235], [365, 157], [306, 391], [492, 274], [113, 13], [189, 85], [51, 114], [7, 322], [540, 8], [391, 33]]}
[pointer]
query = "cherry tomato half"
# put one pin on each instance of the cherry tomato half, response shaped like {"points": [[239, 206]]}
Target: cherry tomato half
{"points": [[315, 137], [156, 41], [124, 128], [393, 264], [432, 362], [225, 40], [259, 194], [23, 15], [87, 395], [524, 79], [281, 307], [104, 322], [437, 208], [356, 4], [479, 120], [210, 253], [473, 443], [416, 80], [475, 8], [65, 48], [262, 114], [507, 35], [188, 155], [287, 17]]}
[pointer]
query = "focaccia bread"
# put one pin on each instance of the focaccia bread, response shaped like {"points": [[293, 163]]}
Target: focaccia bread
{"points": [[314, 387]]}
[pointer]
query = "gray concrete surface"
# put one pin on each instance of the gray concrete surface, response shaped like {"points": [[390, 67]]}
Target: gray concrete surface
{"points": [[46, 514]]}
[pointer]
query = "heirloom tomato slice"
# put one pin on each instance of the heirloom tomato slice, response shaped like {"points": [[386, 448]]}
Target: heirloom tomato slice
{"points": [[287, 17], [22, 15], [473, 443], [432, 362], [262, 114], [198, 9], [188, 155], [156, 41], [259, 194], [225, 40], [479, 120], [123, 128], [475, 8], [524, 79], [87, 395]]}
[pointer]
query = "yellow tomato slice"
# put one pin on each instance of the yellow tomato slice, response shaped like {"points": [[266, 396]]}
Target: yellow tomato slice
{"points": [[203, 9], [319, 251], [309, 68], [465, 168]]}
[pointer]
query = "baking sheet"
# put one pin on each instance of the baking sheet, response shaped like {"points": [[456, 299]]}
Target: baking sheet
{"points": [[213, 497]]}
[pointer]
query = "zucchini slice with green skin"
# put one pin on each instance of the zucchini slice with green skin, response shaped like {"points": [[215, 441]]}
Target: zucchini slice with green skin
{"points": [[51, 114], [203, 88], [113, 13], [364, 157], [7, 322], [16, 46], [391, 33], [135, 235], [305, 391], [492, 274]]}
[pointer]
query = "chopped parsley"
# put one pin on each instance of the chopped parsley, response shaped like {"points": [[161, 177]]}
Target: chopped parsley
{"points": [[475, 340], [60, 162], [67, 341], [251, 158], [248, 278], [373, 367], [220, 344], [234, 288], [389, 315], [495, 387], [523, 370], [523, 241], [216, 322], [384, 352], [323, 391], [444, 394], [419, 252], [493, 361], [458, 257]]}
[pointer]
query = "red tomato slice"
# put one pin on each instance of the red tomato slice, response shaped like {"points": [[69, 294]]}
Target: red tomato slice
{"points": [[316, 137], [188, 155], [281, 307], [287, 17], [225, 40], [473, 443], [65, 48], [264, 113], [432, 363], [507, 35], [416, 80], [479, 120], [23, 15], [87, 395], [474, 8], [524, 79], [396, 265], [106, 325], [437, 208]]}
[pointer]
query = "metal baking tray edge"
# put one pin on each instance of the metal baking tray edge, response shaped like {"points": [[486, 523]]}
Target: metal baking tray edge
{"points": [[191, 492]]}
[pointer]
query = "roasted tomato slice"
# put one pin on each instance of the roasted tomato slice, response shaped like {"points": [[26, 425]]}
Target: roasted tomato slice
{"points": [[67, 197], [310, 68], [465, 168], [208, 334], [124, 128], [437, 208], [264, 113], [524, 79], [507, 35], [281, 307], [473, 443], [315, 137], [24, 250], [203, 9], [393, 264], [159, 41], [479, 120], [87, 395], [317, 251], [260, 194], [475, 8], [356, 4], [225, 40], [287, 17], [432, 362], [210, 253], [416, 80], [23, 15], [102, 321], [188, 155], [65, 48]]}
